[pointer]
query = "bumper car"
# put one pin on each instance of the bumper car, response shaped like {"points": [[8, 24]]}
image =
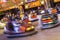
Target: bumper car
{"points": [[34, 20], [49, 21], [33, 16], [19, 30]]}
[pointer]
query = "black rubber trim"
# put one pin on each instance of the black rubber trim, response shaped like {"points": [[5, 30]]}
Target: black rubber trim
{"points": [[18, 33], [21, 35], [34, 20]]}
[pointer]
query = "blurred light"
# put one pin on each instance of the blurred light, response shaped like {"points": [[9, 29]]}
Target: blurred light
{"points": [[28, 29], [26, 6], [21, 3], [42, 2], [33, 11], [32, 27], [43, 19], [56, 0], [49, 18], [29, 22], [50, 22], [42, 11]]}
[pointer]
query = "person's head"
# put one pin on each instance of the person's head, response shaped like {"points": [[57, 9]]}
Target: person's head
{"points": [[12, 14], [15, 15], [5, 19], [31, 12], [53, 11], [16, 20]]}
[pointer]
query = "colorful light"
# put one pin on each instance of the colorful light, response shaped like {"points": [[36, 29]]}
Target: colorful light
{"points": [[32, 27], [29, 22], [28, 29]]}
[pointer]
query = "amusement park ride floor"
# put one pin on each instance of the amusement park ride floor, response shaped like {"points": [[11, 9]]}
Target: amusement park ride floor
{"points": [[49, 34]]}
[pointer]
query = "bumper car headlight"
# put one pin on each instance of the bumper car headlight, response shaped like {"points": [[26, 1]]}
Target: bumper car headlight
{"points": [[29, 22], [32, 27], [28, 29]]}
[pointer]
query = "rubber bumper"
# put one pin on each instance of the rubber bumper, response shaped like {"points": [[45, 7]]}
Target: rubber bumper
{"points": [[34, 20], [51, 26], [21, 35]]}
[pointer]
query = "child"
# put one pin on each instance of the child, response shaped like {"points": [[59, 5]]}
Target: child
{"points": [[9, 26]]}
